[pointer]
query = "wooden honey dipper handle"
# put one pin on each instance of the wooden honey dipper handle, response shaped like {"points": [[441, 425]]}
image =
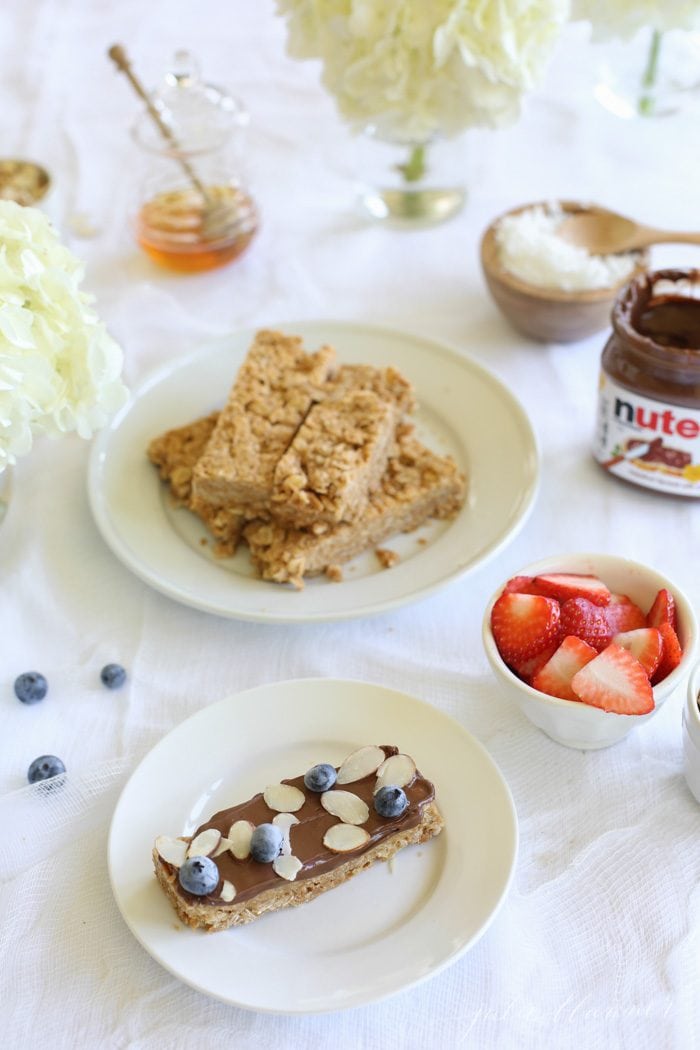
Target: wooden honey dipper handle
{"points": [[120, 58]]}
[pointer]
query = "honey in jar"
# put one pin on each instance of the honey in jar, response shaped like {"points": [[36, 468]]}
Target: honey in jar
{"points": [[193, 212]]}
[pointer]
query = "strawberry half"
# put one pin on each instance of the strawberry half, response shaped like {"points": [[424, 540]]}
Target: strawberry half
{"points": [[586, 621], [645, 644], [562, 586], [615, 682], [623, 615], [671, 653], [523, 625], [663, 610], [556, 675]]}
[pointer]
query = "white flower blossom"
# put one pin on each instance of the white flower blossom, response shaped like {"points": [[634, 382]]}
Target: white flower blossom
{"points": [[59, 369], [414, 68], [622, 18]]}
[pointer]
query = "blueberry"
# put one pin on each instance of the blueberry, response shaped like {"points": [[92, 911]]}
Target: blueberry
{"points": [[320, 778], [113, 676], [266, 843], [390, 801], [44, 767], [31, 687], [199, 875]]}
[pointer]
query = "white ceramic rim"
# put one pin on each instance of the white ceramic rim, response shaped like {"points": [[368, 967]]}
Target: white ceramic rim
{"points": [[692, 709]]}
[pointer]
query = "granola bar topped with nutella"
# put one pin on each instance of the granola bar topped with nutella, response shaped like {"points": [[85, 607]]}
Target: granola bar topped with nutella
{"points": [[297, 839], [309, 463]]}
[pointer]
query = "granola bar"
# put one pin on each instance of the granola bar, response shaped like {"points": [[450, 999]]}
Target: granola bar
{"points": [[417, 484], [176, 452], [272, 393], [335, 460], [387, 383], [288, 844]]}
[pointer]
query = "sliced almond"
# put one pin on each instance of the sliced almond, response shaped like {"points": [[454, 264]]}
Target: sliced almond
{"points": [[172, 851], [228, 891], [284, 798], [287, 867], [239, 838], [347, 807], [221, 848], [204, 844], [397, 770], [285, 822], [361, 763], [344, 838]]}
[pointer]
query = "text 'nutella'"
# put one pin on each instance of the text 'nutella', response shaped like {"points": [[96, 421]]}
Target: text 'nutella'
{"points": [[648, 428]]}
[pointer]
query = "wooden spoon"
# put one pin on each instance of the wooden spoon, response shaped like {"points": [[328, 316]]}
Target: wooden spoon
{"points": [[604, 232]]}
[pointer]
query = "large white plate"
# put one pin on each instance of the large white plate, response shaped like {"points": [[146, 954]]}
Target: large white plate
{"points": [[387, 929], [463, 410]]}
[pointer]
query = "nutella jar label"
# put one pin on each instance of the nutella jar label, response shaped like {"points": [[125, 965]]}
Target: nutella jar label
{"points": [[646, 441]]}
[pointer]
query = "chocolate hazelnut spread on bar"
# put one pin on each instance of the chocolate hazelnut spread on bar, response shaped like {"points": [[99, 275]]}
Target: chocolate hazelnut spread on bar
{"points": [[354, 810], [648, 429]]}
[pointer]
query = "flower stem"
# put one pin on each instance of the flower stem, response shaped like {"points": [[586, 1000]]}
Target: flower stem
{"points": [[646, 99], [415, 167]]}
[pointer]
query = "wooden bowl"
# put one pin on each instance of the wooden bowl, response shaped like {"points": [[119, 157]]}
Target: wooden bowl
{"points": [[548, 314]]}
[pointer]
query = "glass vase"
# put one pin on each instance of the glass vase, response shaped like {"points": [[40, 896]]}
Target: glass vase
{"points": [[5, 492], [410, 183], [653, 74]]}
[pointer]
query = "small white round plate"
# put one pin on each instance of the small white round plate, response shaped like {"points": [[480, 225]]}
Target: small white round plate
{"points": [[385, 930], [463, 410]]}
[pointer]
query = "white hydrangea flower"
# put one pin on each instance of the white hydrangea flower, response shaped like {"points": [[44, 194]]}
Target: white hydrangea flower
{"points": [[59, 369], [413, 68], [622, 18]]}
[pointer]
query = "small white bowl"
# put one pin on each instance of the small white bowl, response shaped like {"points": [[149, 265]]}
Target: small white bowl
{"points": [[577, 724], [691, 734]]}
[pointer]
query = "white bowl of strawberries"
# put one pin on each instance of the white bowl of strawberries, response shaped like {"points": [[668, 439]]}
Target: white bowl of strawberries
{"points": [[589, 645]]}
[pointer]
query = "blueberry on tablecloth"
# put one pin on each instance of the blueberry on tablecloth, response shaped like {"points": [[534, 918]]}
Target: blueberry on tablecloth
{"points": [[31, 687]]}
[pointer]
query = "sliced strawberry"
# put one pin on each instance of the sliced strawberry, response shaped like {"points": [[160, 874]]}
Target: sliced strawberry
{"points": [[671, 653], [663, 610], [523, 625], [527, 669], [555, 676], [562, 586], [517, 584], [586, 621], [624, 616], [645, 644], [522, 585], [615, 682]]}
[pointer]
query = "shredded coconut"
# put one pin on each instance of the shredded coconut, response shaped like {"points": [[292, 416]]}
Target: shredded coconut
{"points": [[531, 250]]}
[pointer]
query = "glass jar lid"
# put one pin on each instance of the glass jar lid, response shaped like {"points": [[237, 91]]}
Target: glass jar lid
{"points": [[201, 116]]}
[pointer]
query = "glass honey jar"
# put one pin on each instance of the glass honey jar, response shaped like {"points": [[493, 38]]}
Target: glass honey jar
{"points": [[193, 212]]}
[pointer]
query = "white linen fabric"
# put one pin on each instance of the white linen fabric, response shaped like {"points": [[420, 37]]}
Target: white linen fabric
{"points": [[598, 943]]}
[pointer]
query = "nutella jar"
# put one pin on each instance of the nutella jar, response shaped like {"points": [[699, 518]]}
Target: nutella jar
{"points": [[648, 429]]}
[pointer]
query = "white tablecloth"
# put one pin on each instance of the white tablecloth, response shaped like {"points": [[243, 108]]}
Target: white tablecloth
{"points": [[598, 943]]}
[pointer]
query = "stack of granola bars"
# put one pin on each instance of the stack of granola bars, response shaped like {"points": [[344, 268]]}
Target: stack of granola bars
{"points": [[309, 462]]}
